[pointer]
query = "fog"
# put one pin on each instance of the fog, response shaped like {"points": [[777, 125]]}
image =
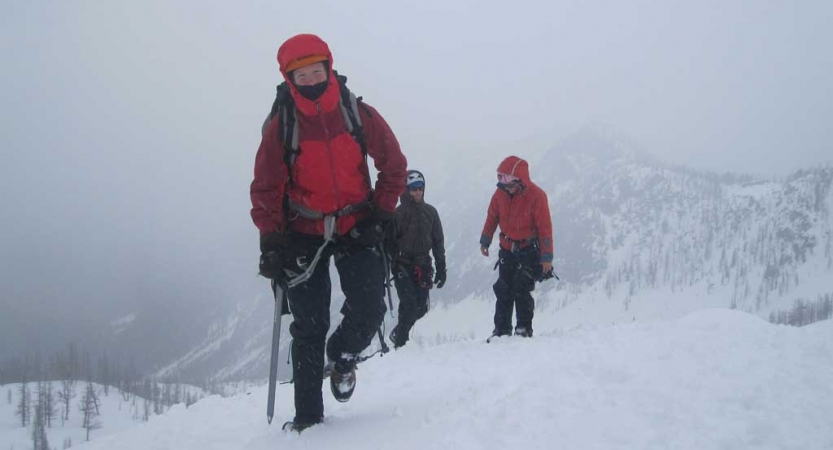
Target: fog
{"points": [[128, 130]]}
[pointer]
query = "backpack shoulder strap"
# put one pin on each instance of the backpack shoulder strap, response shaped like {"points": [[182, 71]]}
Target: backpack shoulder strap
{"points": [[284, 108], [349, 105]]}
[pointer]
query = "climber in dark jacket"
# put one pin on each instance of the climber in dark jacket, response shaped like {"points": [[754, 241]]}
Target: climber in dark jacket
{"points": [[418, 230]]}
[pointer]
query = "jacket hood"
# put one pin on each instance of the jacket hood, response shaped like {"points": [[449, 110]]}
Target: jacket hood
{"points": [[302, 46], [406, 198], [515, 166]]}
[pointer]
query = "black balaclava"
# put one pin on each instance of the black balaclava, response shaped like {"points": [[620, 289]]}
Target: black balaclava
{"points": [[314, 91], [505, 186]]}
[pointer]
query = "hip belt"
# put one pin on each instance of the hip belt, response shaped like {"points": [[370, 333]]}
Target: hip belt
{"points": [[309, 213], [517, 245]]}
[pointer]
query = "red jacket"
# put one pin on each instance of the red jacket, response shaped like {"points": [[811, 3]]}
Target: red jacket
{"points": [[329, 172], [523, 216]]}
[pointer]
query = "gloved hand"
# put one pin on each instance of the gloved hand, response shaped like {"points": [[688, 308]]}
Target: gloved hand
{"points": [[546, 275], [373, 230], [545, 272], [272, 245], [439, 278]]}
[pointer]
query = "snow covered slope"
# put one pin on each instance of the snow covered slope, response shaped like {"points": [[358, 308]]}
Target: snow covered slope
{"points": [[118, 412], [715, 379]]}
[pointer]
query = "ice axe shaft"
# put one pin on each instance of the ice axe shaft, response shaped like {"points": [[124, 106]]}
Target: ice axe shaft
{"points": [[280, 295]]}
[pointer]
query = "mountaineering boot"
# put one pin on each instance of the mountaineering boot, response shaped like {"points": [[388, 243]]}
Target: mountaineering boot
{"points": [[396, 342], [523, 332], [343, 383], [300, 424], [498, 333], [392, 337]]}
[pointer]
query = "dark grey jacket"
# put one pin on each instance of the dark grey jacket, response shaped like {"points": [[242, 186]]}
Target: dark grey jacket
{"points": [[418, 231]]}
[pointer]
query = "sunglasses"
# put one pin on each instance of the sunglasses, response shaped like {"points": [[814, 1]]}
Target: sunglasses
{"points": [[416, 189]]}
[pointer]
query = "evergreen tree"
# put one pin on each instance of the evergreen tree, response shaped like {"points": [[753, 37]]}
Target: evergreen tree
{"points": [[39, 440], [46, 401], [89, 410], [65, 396], [104, 373], [146, 409], [24, 404]]}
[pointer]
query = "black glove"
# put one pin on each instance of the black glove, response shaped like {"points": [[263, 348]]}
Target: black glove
{"points": [[373, 230], [439, 278], [272, 246], [546, 275]]}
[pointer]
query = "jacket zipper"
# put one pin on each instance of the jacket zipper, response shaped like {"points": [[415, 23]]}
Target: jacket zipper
{"points": [[329, 154]]}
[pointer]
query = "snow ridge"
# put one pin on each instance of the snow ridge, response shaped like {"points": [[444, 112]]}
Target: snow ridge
{"points": [[714, 379]]}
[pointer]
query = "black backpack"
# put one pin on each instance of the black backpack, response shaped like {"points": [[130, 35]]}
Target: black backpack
{"points": [[285, 107]]}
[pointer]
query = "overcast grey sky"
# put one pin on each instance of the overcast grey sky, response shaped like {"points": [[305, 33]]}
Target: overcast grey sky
{"points": [[128, 129]]}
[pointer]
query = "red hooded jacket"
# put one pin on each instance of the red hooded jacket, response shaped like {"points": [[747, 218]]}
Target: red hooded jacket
{"points": [[523, 216], [329, 172]]}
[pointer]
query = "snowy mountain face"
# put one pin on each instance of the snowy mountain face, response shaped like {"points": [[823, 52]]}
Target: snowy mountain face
{"points": [[634, 240], [623, 222], [235, 347], [631, 224]]}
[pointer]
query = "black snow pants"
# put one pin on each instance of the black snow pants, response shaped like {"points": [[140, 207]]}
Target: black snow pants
{"points": [[362, 277], [413, 282], [516, 280]]}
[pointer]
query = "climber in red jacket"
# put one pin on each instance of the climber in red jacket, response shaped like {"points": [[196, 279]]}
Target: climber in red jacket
{"points": [[522, 210]]}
